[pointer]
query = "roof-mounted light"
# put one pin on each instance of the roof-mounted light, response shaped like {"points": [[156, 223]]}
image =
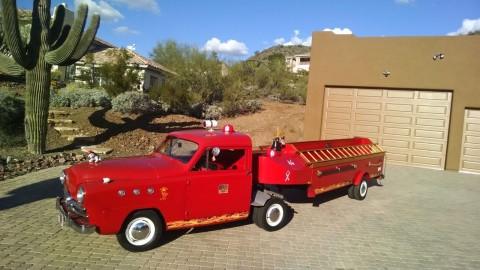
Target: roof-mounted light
{"points": [[228, 129], [210, 124]]}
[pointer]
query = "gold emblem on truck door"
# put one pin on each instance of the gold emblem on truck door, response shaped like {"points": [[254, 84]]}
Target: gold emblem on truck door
{"points": [[163, 193], [223, 189]]}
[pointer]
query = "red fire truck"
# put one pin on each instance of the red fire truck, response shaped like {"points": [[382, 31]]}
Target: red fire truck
{"points": [[206, 177]]}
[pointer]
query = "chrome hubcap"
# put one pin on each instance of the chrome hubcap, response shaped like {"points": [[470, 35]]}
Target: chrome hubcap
{"points": [[363, 188], [140, 231], [274, 215]]}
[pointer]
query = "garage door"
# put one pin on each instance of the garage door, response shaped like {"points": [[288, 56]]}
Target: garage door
{"points": [[411, 125], [470, 158]]}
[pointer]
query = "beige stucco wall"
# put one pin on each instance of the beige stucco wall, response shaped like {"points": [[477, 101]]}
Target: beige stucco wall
{"points": [[346, 60]]}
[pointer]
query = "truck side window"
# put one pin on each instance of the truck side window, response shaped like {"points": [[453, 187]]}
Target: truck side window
{"points": [[228, 159]]}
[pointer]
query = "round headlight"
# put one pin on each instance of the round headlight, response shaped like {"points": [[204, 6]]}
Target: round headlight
{"points": [[80, 195], [63, 177]]}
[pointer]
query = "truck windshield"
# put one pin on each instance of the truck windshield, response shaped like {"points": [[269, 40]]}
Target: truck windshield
{"points": [[178, 149]]}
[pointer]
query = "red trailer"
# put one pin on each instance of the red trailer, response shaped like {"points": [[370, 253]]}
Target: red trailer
{"points": [[206, 177]]}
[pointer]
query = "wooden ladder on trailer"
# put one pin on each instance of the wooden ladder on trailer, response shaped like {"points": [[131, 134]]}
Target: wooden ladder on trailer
{"points": [[337, 153]]}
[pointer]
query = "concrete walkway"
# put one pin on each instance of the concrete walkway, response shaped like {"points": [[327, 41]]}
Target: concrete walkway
{"points": [[420, 219]]}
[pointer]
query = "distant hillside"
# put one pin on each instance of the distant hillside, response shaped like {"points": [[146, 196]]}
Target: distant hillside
{"points": [[285, 50]]}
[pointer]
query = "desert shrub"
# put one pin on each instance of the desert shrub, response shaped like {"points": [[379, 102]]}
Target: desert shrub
{"points": [[172, 96], [119, 75], [236, 102], [137, 102], [12, 113], [241, 107], [74, 86], [80, 98], [198, 76], [212, 112], [252, 105], [59, 99]]}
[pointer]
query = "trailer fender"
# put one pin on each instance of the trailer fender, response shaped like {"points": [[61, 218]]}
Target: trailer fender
{"points": [[358, 177], [260, 198]]}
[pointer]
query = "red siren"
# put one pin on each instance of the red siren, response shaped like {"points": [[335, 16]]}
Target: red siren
{"points": [[228, 128]]}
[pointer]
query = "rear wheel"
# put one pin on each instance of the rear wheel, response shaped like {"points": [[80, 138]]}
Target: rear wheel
{"points": [[273, 216], [360, 191], [141, 232]]}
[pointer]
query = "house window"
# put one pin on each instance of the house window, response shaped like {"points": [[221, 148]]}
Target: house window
{"points": [[304, 60], [153, 81]]}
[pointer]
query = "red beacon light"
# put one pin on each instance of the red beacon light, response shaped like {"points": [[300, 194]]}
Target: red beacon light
{"points": [[228, 128]]}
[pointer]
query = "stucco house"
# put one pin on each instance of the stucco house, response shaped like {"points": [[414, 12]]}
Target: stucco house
{"points": [[150, 72], [298, 62]]}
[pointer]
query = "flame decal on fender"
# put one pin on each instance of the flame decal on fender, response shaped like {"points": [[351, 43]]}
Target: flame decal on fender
{"points": [[180, 224]]}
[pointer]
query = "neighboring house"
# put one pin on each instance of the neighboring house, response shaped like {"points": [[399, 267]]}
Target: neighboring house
{"points": [[298, 62], [150, 72], [69, 73], [418, 97]]}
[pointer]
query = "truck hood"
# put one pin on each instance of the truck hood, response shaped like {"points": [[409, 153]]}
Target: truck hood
{"points": [[123, 169]]}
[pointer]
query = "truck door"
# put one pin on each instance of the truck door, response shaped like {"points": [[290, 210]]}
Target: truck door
{"points": [[219, 183]]}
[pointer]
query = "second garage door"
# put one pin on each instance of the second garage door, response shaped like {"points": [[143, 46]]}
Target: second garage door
{"points": [[470, 158], [411, 125]]}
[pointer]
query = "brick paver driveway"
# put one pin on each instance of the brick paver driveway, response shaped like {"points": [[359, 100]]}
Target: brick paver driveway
{"points": [[420, 219]]}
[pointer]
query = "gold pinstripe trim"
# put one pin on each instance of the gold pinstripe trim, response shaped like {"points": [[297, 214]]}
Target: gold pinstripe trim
{"points": [[332, 187]]}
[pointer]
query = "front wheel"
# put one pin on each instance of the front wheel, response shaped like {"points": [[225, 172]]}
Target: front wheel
{"points": [[141, 232], [273, 216]]}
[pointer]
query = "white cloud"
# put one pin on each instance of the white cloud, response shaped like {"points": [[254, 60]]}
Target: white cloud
{"points": [[104, 9], [279, 41], [294, 40], [404, 2], [468, 26], [125, 30], [339, 31], [132, 47], [229, 47], [147, 5]]}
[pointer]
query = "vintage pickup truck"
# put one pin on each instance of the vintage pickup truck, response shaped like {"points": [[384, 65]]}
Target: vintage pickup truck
{"points": [[206, 177]]}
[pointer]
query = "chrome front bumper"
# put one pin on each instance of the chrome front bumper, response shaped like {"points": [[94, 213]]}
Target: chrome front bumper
{"points": [[69, 214]]}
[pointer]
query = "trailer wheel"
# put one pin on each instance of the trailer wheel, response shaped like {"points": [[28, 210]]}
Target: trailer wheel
{"points": [[273, 216], [351, 192], [141, 232], [360, 191]]}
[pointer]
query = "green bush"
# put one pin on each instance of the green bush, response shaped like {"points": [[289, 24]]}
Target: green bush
{"points": [[12, 113], [236, 101], [173, 96], [80, 98], [213, 112], [137, 102]]}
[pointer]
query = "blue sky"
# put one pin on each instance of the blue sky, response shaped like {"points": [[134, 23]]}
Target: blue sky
{"points": [[236, 29]]}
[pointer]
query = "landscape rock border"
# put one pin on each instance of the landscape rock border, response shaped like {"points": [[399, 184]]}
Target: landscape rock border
{"points": [[14, 167]]}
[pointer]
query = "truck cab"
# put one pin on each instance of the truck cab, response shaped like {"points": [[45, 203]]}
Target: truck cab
{"points": [[218, 174]]}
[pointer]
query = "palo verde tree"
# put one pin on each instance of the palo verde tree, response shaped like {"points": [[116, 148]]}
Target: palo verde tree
{"points": [[51, 42]]}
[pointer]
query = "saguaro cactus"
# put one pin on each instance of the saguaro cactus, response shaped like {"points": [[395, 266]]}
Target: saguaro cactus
{"points": [[51, 43]]}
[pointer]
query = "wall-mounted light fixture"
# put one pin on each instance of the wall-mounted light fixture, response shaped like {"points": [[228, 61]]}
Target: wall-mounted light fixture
{"points": [[386, 73], [438, 56]]}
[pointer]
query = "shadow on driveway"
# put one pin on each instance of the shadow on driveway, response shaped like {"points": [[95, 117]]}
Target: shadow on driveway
{"points": [[46, 189]]}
